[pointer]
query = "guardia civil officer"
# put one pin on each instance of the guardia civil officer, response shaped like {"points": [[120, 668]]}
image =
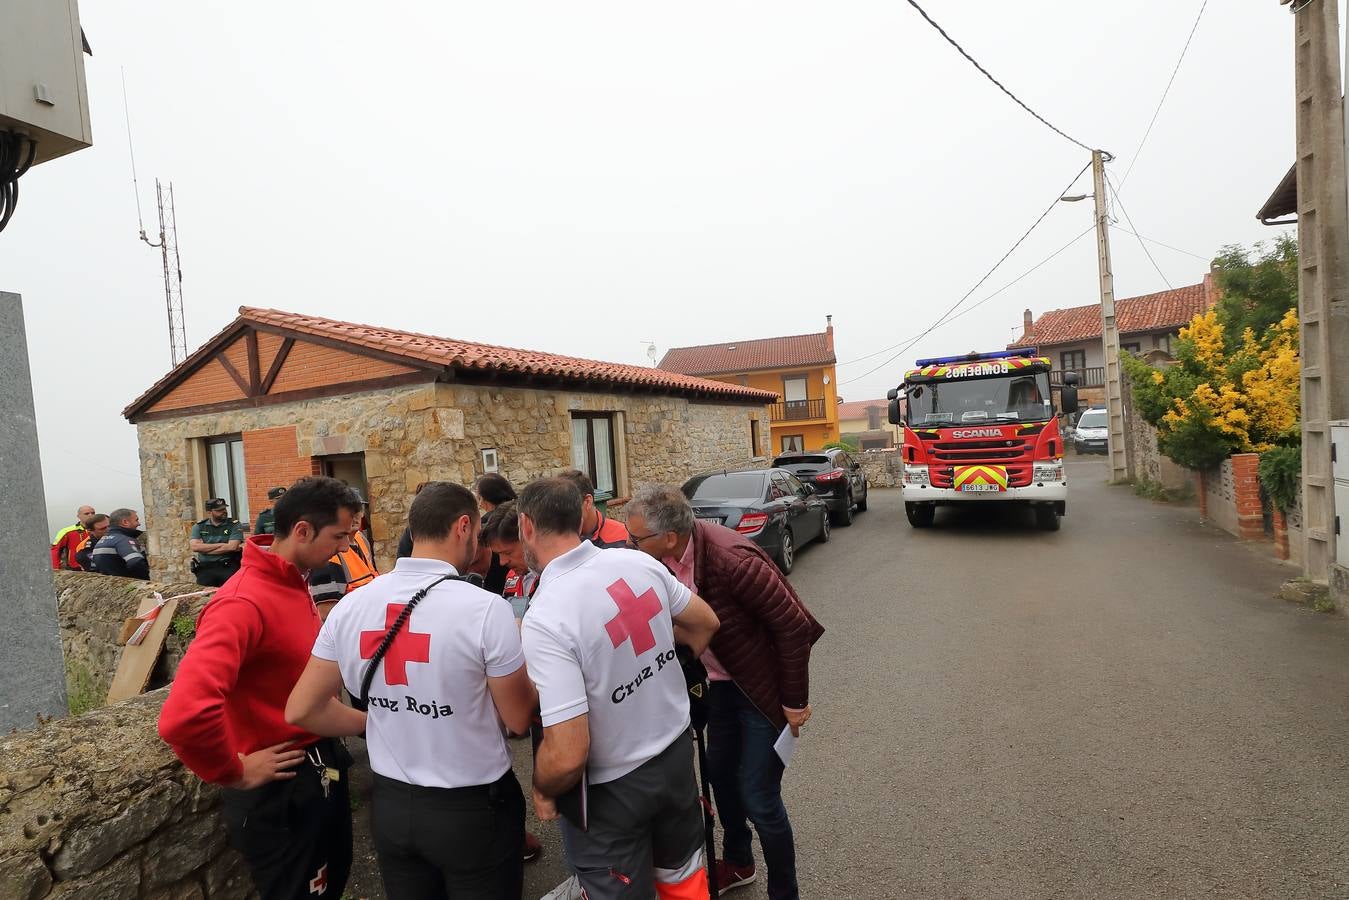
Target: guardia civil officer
{"points": [[217, 541], [266, 523], [438, 661]]}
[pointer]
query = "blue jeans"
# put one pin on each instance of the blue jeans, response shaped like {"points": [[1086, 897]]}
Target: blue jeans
{"points": [[746, 776]]}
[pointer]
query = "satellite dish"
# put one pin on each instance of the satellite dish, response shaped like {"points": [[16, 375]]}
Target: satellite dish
{"points": [[651, 351]]}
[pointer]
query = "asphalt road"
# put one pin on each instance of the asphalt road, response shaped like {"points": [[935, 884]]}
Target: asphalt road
{"points": [[1118, 709]]}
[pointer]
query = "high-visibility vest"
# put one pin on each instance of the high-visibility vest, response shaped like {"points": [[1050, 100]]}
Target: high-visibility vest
{"points": [[357, 562]]}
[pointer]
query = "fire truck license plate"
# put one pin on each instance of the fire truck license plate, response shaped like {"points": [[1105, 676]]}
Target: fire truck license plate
{"points": [[981, 488]]}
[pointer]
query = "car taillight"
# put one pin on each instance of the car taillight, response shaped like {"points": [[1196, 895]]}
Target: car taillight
{"points": [[836, 475], [752, 523]]}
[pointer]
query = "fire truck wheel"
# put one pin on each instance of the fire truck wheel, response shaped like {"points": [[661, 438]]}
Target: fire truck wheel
{"points": [[920, 514], [1047, 518]]}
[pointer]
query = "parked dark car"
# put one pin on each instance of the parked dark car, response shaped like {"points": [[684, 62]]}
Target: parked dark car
{"points": [[769, 506], [837, 477]]}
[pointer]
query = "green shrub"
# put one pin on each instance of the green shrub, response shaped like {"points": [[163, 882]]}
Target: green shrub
{"points": [[1281, 476]]}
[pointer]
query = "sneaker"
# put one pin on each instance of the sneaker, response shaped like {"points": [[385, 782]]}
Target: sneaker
{"points": [[533, 849], [730, 877], [567, 890]]}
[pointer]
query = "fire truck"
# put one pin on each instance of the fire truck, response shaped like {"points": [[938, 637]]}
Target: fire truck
{"points": [[981, 428]]}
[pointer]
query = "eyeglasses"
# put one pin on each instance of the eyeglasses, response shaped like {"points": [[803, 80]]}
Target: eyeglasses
{"points": [[636, 541]]}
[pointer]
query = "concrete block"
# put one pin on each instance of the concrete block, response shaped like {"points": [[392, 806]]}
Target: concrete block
{"points": [[32, 674]]}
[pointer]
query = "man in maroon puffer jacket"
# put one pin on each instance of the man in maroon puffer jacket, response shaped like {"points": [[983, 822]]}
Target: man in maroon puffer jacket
{"points": [[759, 667]]}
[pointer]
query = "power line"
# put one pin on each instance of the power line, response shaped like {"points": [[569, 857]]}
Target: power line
{"points": [[974, 62], [975, 306], [1158, 111], [1120, 204], [948, 314], [1144, 237]]}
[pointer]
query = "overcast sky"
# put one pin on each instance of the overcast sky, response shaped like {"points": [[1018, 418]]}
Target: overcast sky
{"points": [[583, 177]]}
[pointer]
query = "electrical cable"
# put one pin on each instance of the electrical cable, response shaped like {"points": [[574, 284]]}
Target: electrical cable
{"points": [[973, 307], [1158, 111], [1144, 237], [17, 152], [1127, 218], [974, 62], [946, 316]]}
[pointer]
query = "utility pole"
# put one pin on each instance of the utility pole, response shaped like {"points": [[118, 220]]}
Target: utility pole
{"points": [[1114, 395]]}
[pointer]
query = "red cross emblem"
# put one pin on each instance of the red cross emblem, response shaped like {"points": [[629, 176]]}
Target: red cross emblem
{"points": [[633, 621], [408, 646], [319, 883]]}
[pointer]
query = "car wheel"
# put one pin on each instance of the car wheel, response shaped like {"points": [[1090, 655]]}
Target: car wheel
{"points": [[1047, 518], [920, 515], [843, 518], [862, 504], [787, 552], [824, 527]]}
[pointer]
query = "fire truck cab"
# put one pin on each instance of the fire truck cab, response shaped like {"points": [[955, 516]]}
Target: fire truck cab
{"points": [[979, 428]]}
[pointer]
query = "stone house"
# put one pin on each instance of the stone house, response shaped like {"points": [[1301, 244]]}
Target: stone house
{"points": [[1071, 338], [798, 368], [277, 396]]}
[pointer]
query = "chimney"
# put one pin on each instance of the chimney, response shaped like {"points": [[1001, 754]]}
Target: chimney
{"points": [[829, 332], [1028, 320]]}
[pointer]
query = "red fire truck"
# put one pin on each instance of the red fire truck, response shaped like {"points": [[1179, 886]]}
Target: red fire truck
{"points": [[979, 428]]}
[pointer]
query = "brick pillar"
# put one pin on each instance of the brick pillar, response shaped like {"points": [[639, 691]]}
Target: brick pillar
{"points": [[1280, 535], [1250, 512], [1203, 495]]}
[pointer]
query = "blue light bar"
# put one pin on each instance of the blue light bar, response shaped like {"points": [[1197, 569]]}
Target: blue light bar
{"points": [[976, 357]]}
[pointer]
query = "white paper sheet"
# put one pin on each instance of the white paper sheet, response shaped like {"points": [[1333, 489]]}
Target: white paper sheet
{"points": [[785, 745]]}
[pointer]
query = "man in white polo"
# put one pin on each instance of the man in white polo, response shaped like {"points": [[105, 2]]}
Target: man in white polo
{"points": [[616, 758], [440, 664]]}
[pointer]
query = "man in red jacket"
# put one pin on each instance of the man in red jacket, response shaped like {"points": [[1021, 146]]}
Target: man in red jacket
{"points": [[285, 800], [758, 666]]}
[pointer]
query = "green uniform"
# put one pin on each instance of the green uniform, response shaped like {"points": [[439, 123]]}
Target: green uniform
{"points": [[211, 533], [266, 522]]}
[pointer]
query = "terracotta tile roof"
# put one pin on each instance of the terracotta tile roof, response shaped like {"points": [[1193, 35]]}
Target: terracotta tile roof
{"points": [[857, 409], [1135, 315], [793, 352], [463, 357]]}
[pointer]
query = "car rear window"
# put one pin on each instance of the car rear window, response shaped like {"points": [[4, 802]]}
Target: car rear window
{"points": [[729, 485], [800, 461]]}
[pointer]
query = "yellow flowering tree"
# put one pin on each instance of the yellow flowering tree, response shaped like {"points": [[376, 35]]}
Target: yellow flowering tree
{"points": [[1232, 390]]}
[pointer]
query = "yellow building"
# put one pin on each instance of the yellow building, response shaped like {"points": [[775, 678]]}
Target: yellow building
{"points": [[798, 368], [865, 424]]}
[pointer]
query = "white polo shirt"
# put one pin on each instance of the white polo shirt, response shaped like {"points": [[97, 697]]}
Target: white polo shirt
{"points": [[431, 718], [599, 639]]}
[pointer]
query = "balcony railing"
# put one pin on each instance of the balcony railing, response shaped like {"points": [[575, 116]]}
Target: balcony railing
{"points": [[795, 410], [1089, 377]]}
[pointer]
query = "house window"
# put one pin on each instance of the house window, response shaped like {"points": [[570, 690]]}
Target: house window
{"points": [[1164, 342], [793, 443], [1073, 360], [754, 439], [225, 474], [592, 450], [1131, 347]]}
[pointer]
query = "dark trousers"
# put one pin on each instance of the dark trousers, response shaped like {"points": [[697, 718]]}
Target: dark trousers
{"points": [[746, 776], [216, 574], [441, 843], [295, 839]]}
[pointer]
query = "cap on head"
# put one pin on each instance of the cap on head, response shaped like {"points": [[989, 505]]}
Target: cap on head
{"points": [[215, 503], [275, 493]]}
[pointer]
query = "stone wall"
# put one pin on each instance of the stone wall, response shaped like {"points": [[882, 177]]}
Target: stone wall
{"points": [[436, 431], [96, 806], [1145, 460], [883, 468]]}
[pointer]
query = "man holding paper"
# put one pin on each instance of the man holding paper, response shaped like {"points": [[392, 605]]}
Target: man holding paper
{"points": [[759, 668]]}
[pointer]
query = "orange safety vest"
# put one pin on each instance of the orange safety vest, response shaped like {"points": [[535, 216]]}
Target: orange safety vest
{"points": [[357, 562]]}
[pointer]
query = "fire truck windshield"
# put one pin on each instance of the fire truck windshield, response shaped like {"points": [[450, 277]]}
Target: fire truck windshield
{"points": [[1020, 398]]}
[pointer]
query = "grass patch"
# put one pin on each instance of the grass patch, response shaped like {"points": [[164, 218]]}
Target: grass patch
{"points": [[185, 627], [1159, 493], [84, 689]]}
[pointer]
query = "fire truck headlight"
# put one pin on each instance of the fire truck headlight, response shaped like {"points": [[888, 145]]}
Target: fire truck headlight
{"points": [[1048, 472], [916, 475]]}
